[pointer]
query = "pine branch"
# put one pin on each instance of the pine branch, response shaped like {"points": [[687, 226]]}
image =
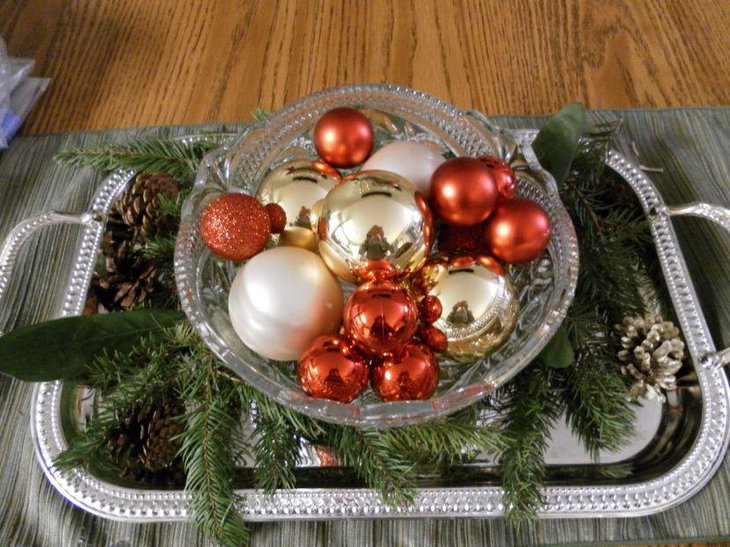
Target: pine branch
{"points": [[276, 451]]}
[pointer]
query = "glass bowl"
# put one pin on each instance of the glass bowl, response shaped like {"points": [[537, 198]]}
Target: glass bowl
{"points": [[545, 285]]}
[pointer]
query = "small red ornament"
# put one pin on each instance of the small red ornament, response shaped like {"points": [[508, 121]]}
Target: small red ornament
{"points": [[411, 375], [503, 175], [343, 137], [235, 226], [430, 308], [517, 231], [453, 239], [332, 369], [463, 192], [434, 338], [277, 217], [380, 316]]}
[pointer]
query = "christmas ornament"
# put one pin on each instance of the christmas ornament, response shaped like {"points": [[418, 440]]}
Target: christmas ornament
{"points": [[343, 137], [503, 175], [479, 303], [374, 225], [434, 338], [281, 300], [414, 161], [412, 374], [652, 354], [463, 192], [139, 206], [235, 226], [277, 217], [518, 231], [380, 316], [430, 309], [469, 239], [296, 186], [330, 368]]}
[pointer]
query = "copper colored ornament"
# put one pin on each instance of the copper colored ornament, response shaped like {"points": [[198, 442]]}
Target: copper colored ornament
{"points": [[235, 226], [518, 231], [463, 192], [434, 338], [411, 375], [469, 239], [380, 316], [343, 137], [277, 217], [430, 308], [503, 175], [331, 369], [374, 225]]}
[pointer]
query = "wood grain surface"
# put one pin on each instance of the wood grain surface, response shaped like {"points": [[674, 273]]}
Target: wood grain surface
{"points": [[147, 62]]}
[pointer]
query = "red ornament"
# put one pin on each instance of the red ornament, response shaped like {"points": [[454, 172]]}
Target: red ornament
{"points": [[452, 239], [430, 308], [235, 226], [463, 192], [380, 317], [517, 231], [343, 137], [503, 175], [277, 217], [332, 369], [434, 338], [411, 375]]}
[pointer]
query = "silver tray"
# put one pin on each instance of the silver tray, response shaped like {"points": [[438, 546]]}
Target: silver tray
{"points": [[678, 447]]}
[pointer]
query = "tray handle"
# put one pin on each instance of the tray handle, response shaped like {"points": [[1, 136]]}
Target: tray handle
{"points": [[17, 237], [721, 217]]}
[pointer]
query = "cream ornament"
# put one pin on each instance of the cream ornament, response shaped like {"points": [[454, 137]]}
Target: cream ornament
{"points": [[414, 161]]}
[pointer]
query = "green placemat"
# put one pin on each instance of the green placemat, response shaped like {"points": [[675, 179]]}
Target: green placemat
{"points": [[691, 145]]}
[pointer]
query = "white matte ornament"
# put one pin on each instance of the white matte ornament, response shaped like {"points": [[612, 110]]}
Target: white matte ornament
{"points": [[413, 161], [282, 299]]}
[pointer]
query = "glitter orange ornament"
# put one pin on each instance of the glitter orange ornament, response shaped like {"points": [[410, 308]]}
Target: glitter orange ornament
{"points": [[411, 375], [518, 231], [235, 226], [430, 309], [332, 369], [503, 175], [434, 338], [343, 137], [277, 217], [380, 317], [463, 192], [452, 239]]}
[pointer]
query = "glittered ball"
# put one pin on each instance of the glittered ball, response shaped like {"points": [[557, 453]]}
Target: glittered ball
{"points": [[297, 186], [374, 225], [414, 161], [430, 308], [380, 316], [235, 226], [343, 137], [330, 368], [469, 239], [518, 231], [411, 375], [434, 338], [277, 217], [463, 192], [281, 300], [503, 175]]}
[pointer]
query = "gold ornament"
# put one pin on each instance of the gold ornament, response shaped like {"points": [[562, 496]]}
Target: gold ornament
{"points": [[296, 186], [374, 225], [479, 303]]}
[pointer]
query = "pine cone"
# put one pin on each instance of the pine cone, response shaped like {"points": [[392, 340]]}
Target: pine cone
{"points": [[652, 354], [139, 206]]}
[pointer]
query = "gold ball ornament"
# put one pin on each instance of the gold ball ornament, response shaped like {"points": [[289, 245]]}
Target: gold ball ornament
{"points": [[374, 226], [296, 186], [479, 303]]}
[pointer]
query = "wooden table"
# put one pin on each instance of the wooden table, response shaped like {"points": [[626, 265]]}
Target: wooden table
{"points": [[148, 62]]}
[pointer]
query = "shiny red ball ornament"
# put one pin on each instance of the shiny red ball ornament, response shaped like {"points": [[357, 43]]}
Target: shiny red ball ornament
{"points": [[235, 226], [430, 308], [518, 231], [452, 239], [463, 192], [412, 374], [434, 338], [380, 317], [330, 368], [503, 175], [343, 137], [277, 217]]}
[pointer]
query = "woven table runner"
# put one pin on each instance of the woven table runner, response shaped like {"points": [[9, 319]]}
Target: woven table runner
{"points": [[691, 146]]}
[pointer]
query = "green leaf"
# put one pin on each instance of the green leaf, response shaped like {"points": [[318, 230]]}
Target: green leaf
{"points": [[63, 349], [559, 352], [557, 142]]}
